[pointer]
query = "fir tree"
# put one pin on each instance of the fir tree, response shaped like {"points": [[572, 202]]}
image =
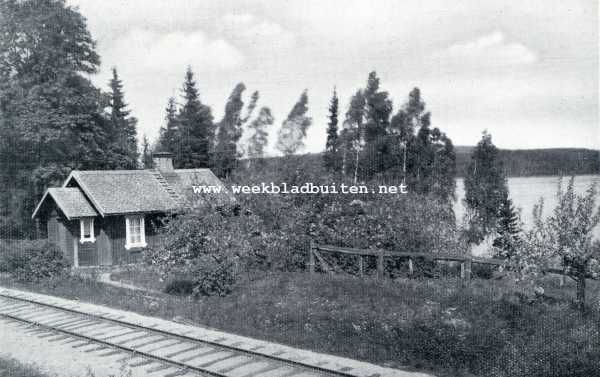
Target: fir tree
{"points": [[195, 128], [331, 155], [123, 133], [168, 140], [508, 229], [290, 137], [485, 189]]}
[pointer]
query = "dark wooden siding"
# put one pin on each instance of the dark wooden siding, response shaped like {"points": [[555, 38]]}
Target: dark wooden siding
{"points": [[115, 231], [109, 247]]}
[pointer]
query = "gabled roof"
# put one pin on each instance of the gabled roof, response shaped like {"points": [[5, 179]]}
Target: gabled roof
{"points": [[118, 192], [70, 200], [115, 192]]}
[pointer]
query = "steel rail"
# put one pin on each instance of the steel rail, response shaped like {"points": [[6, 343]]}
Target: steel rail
{"points": [[254, 354]]}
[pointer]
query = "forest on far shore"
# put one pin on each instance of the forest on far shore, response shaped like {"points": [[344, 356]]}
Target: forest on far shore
{"points": [[515, 162], [531, 162]]}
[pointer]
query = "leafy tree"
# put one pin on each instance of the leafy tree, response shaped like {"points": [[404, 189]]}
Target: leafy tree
{"points": [[428, 154], [565, 238], [251, 106], [377, 111], [352, 135], [259, 135], [290, 137], [378, 108], [147, 161], [331, 157], [230, 132], [195, 128], [485, 189], [52, 116], [122, 130]]}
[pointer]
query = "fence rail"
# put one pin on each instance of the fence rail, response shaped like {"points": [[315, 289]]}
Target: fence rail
{"points": [[466, 261]]}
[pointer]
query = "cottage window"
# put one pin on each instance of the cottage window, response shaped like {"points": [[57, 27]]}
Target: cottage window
{"points": [[86, 230], [135, 234]]}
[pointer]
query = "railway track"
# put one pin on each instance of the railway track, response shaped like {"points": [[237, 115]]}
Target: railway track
{"points": [[165, 352]]}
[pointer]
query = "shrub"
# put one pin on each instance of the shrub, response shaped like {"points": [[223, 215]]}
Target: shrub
{"points": [[180, 287], [35, 261], [204, 246]]}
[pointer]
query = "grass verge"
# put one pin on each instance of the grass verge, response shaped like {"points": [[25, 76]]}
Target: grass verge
{"points": [[489, 328]]}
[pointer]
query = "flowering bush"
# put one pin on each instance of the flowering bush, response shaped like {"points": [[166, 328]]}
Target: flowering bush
{"points": [[563, 240]]}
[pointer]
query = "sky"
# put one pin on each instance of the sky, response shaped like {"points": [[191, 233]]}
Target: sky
{"points": [[526, 71]]}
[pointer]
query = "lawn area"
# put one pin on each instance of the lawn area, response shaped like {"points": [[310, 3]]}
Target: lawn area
{"points": [[12, 368], [489, 328]]}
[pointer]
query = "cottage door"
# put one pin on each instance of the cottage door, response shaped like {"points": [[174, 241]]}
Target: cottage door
{"points": [[104, 249], [104, 255]]}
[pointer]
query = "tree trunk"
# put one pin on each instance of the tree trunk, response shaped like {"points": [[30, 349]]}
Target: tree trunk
{"points": [[356, 168], [344, 162], [580, 300]]}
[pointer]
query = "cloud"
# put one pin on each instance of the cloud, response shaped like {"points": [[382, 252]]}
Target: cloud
{"points": [[157, 52], [489, 50], [257, 33]]}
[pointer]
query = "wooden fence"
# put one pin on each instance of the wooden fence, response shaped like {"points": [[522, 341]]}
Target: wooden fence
{"points": [[466, 261]]}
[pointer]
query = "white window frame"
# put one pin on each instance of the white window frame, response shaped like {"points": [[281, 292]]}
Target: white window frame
{"points": [[82, 237], [128, 225]]}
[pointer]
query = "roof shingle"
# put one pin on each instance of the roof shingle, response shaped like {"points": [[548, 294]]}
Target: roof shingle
{"points": [[123, 191], [71, 201], [115, 192]]}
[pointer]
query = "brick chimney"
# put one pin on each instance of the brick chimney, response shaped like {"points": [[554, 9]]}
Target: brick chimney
{"points": [[163, 161]]}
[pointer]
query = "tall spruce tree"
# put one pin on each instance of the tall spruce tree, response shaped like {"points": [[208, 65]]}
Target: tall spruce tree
{"points": [[226, 152], [168, 139], [290, 137], [52, 116], [486, 189], [331, 158], [508, 229], [196, 129], [258, 134], [122, 130]]}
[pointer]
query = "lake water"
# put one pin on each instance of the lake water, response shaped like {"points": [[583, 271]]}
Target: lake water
{"points": [[525, 192]]}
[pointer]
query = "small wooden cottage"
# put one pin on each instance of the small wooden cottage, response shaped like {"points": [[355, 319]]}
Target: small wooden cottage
{"points": [[107, 217]]}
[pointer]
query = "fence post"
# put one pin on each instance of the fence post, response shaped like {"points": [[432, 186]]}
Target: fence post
{"points": [[311, 258], [410, 267], [380, 265], [360, 266], [468, 269]]}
